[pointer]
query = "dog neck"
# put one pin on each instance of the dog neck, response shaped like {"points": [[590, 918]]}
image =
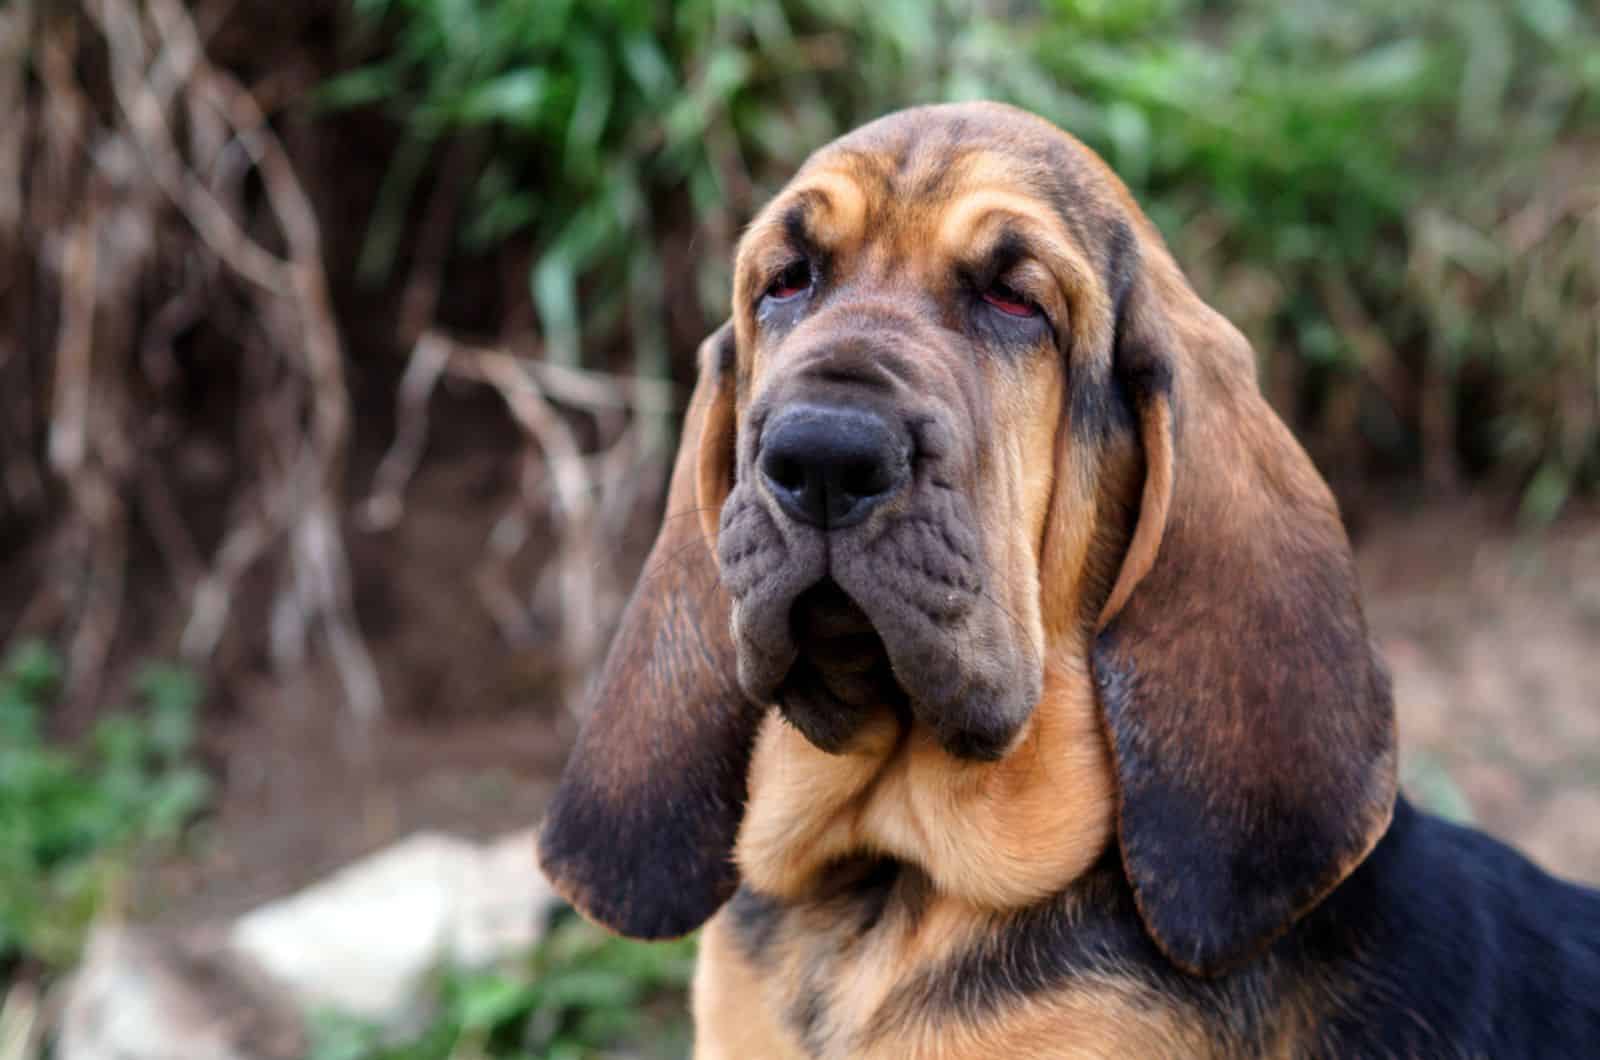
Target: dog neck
{"points": [[998, 835], [875, 964]]}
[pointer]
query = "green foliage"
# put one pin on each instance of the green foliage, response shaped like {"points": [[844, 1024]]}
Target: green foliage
{"points": [[1344, 178], [1353, 174], [580, 994], [71, 819], [609, 122]]}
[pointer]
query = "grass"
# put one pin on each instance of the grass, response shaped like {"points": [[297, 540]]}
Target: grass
{"points": [[73, 820]]}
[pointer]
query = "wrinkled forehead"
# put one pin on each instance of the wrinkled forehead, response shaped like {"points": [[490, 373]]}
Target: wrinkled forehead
{"points": [[933, 174]]}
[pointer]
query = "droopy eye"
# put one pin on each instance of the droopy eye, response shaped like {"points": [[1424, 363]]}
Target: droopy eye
{"points": [[794, 280], [1009, 301]]}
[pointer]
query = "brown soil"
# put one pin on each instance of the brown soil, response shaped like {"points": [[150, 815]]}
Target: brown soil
{"points": [[1494, 643]]}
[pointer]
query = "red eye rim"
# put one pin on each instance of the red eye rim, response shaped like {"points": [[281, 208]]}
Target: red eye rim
{"points": [[1009, 302], [792, 282]]}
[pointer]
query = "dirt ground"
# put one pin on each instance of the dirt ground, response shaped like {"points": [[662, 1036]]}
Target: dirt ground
{"points": [[1494, 643], [1493, 638]]}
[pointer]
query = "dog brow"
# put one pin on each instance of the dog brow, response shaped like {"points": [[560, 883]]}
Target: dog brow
{"points": [[1009, 247], [1018, 217], [796, 224]]}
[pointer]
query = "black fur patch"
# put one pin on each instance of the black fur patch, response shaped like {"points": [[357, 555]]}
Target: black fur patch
{"points": [[807, 1015], [1031, 952], [754, 918], [1122, 264], [797, 231], [1090, 932], [1098, 405], [1010, 248], [859, 895], [723, 348], [1144, 373], [1466, 949], [651, 860]]}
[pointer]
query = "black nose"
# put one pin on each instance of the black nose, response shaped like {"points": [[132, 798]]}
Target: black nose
{"points": [[829, 466]]}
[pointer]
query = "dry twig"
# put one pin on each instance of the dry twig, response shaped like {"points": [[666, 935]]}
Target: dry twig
{"points": [[557, 476], [161, 80]]}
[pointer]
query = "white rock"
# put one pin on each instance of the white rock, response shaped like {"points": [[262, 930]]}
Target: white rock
{"points": [[366, 940], [140, 997], [504, 904]]}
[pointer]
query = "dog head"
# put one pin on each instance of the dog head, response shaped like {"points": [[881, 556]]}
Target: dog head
{"points": [[969, 427]]}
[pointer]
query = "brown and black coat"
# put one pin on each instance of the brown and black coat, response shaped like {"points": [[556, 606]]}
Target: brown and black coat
{"points": [[998, 685]]}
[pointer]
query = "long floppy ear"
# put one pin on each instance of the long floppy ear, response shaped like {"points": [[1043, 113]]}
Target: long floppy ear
{"points": [[640, 833], [1251, 725]]}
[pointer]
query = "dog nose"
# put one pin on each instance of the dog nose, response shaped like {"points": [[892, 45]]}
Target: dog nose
{"points": [[829, 466]]}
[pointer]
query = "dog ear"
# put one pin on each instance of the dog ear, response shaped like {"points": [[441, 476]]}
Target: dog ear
{"points": [[640, 833], [1251, 725]]}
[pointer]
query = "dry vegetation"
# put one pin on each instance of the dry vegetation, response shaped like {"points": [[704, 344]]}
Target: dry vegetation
{"points": [[167, 331]]}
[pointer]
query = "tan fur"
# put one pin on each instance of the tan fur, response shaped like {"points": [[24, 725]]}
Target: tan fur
{"points": [[1079, 524], [734, 1018], [999, 835], [1109, 1021], [990, 835], [1141, 554], [738, 1009]]}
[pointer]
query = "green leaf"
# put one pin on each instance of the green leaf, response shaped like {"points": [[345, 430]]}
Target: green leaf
{"points": [[513, 97], [1546, 495], [647, 64], [72, 818], [1387, 71], [593, 104], [360, 87], [590, 988], [555, 295], [488, 1002], [1552, 20], [34, 669]]}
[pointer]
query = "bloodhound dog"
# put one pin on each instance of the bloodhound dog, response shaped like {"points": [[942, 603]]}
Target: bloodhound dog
{"points": [[998, 685]]}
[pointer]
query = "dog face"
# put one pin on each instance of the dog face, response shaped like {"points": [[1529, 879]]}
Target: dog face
{"points": [[973, 467], [904, 313]]}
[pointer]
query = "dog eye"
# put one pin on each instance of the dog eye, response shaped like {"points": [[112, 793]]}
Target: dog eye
{"points": [[1009, 301], [793, 281]]}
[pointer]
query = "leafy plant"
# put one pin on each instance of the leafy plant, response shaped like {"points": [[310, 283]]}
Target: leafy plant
{"points": [[607, 124], [1343, 179], [1352, 182], [580, 994], [72, 818]]}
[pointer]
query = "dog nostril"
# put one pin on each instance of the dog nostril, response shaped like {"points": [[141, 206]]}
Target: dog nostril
{"points": [[785, 473], [865, 478]]}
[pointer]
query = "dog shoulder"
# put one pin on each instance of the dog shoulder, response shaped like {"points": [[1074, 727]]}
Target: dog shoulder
{"points": [[1457, 945]]}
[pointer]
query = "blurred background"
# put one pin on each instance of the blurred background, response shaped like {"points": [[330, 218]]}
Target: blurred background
{"points": [[343, 342]]}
